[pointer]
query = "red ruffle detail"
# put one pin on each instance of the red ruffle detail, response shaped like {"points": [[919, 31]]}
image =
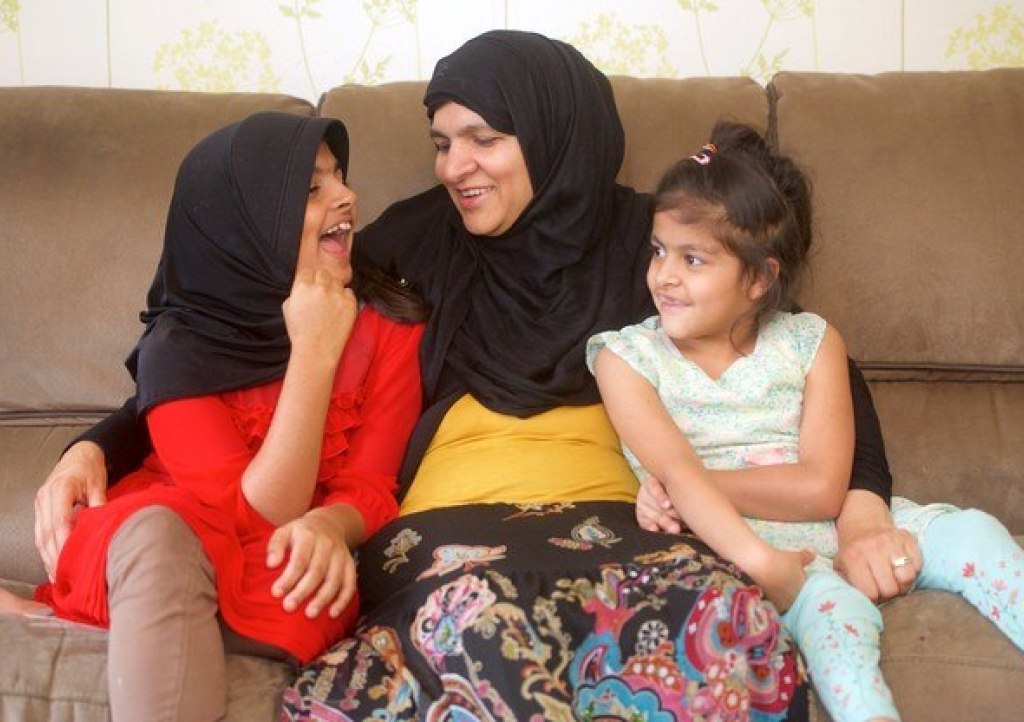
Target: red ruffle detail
{"points": [[253, 409]]}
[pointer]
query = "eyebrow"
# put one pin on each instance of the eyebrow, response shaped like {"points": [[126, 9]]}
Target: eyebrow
{"points": [[320, 168], [463, 130], [702, 248]]}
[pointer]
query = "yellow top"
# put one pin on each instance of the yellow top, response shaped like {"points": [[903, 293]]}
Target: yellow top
{"points": [[570, 453]]}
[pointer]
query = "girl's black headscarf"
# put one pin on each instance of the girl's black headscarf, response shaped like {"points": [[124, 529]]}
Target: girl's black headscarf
{"points": [[214, 320], [512, 313]]}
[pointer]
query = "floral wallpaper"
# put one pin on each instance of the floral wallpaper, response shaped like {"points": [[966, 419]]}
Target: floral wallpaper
{"points": [[305, 47]]}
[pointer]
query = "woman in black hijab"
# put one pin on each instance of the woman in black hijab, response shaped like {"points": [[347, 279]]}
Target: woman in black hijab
{"points": [[279, 411], [516, 583]]}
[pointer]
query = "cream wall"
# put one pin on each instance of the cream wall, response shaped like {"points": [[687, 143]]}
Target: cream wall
{"points": [[304, 47]]}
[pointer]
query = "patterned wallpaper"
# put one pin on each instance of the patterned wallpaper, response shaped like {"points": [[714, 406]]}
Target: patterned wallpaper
{"points": [[304, 47]]}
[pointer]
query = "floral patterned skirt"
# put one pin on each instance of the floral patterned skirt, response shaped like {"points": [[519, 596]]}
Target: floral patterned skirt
{"points": [[551, 612]]}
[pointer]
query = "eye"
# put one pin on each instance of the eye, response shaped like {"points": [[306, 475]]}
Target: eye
{"points": [[441, 147], [313, 188], [657, 250], [692, 260], [487, 141]]}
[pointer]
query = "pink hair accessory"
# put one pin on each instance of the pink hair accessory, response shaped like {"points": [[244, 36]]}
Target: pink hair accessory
{"points": [[704, 157]]}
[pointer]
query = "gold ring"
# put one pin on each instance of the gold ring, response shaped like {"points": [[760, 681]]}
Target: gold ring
{"points": [[898, 562]]}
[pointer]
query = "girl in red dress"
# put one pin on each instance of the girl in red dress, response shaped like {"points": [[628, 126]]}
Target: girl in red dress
{"points": [[279, 388]]}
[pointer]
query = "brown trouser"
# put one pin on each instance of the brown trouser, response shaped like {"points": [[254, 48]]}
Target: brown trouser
{"points": [[166, 658]]}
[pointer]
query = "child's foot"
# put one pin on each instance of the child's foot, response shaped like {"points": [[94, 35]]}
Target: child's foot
{"points": [[11, 603]]}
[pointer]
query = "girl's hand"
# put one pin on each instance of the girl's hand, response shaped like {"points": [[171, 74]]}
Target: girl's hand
{"points": [[654, 510], [320, 566], [319, 313], [783, 576]]}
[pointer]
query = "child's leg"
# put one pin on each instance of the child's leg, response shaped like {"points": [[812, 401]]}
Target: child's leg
{"points": [[11, 603], [166, 657], [971, 553], [837, 629]]}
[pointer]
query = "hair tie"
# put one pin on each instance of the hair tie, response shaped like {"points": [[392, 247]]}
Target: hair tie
{"points": [[704, 157]]}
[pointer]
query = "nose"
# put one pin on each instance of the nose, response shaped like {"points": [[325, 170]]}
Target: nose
{"points": [[666, 273], [454, 164], [342, 196]]}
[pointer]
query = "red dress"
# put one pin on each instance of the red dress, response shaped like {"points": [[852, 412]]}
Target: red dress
{"points": [[201, 447]]}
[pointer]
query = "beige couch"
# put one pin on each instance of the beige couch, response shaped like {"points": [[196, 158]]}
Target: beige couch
{"points": [[919, 184]]}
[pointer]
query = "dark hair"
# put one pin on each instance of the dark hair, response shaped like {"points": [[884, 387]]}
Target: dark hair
{"points": [[755, 202], [390, 295]]}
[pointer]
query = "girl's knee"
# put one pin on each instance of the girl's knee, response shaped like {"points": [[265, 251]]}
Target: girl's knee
{"points": [[156, 540], [155, 529], [970, 530]]}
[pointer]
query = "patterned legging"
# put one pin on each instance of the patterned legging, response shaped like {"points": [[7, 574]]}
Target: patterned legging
{"points": [[837, 628]]}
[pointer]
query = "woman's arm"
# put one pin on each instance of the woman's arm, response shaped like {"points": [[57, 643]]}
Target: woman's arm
{"points": [[100, 456], [645, 426]]}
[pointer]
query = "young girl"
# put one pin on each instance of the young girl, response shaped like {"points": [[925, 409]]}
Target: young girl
{"points": [[742, 409], [279, 409]]}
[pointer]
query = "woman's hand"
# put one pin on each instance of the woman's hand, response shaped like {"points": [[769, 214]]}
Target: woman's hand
{"points": [[320, 566], [654, 510], [319, 313], [79, 478], [874, 556]]}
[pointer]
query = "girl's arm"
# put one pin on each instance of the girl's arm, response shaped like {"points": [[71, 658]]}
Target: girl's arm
{"points": [[815, 487], [870, 468], [645, 426], [280, 481], [360, 497]]}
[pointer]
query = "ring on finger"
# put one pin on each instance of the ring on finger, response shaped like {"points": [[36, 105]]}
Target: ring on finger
{"points": [[898, 562]]}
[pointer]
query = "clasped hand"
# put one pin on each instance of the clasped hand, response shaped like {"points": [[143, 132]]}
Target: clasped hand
{"points": [[319, 313]]}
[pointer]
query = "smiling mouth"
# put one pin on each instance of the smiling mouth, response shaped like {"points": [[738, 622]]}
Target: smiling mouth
{"points": [[338, 230], [333, 239]]}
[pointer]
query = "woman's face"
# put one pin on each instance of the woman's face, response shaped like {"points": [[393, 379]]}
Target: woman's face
{"points": [[326, 241], [483, 169]]}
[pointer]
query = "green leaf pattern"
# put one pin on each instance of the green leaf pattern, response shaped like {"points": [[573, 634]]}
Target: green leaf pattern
{"points": [[210, 58], [222, 55], [9, 10], [997, 39]]}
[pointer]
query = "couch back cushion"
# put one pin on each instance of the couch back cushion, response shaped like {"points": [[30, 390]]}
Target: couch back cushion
{"points": [[920, 211], [87, 176], [392, 156], [919, 195]]}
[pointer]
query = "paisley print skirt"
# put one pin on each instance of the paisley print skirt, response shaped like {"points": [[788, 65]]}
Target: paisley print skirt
{"points": [[551, 612]]}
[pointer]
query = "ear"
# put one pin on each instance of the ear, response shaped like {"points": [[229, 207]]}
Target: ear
{"points": [[764, 279]]}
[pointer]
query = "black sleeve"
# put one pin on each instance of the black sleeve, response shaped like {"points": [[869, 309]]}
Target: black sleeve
{"points": [[870, 467], [124, 438]]}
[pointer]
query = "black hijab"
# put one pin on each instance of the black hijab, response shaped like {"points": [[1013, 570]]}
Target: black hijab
{"points": [[512, 313], [214, 320]]}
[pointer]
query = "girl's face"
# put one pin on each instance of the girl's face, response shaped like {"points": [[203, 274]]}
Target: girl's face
{"points": [[326, 241], [699, 287], [483, 169]]}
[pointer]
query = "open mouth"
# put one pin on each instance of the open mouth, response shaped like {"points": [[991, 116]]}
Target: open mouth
{"points": [[334, 239]]}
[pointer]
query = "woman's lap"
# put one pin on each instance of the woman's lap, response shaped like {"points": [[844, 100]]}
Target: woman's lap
{"points": [[544, 612]]}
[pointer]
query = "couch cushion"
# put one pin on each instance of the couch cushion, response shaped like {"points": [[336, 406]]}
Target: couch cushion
{"points": [[666, 119], [87, 177], [59, 674], [918, 195], [920, 208]]}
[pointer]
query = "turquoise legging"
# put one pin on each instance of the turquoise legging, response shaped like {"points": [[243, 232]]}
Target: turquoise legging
{"points": [[837, 628]]}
